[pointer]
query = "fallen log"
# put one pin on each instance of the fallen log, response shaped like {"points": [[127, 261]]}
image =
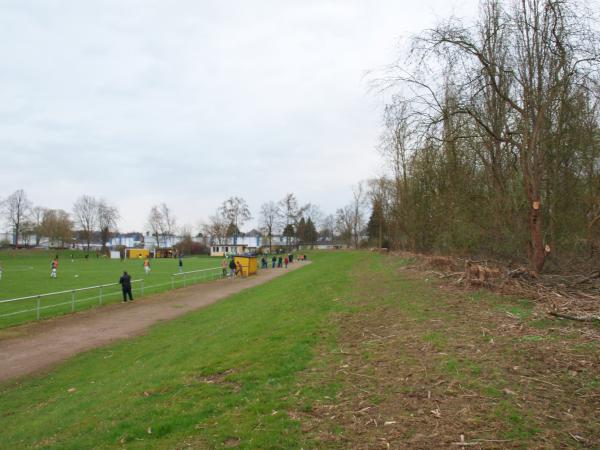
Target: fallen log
{"points": [[577, 318], [588, 278]]}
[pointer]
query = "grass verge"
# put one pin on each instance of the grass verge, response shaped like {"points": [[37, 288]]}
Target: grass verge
{"points": [[218, 377], [421, 365]]}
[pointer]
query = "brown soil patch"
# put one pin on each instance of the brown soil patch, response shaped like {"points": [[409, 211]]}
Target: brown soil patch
{"points": [[424, 366], [38, 346], [221, 379]]}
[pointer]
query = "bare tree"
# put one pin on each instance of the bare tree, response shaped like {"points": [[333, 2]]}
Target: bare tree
{"points": [[313, 212], [359, 199], [85, 211], [216, 228], [379, 195], [184, 247], [57, 227], [344, 223], [236, 211], [155, 222], [290, 214], [15, 210], [512, 76], [169, 224], [37, 216], [270, 215], [162, 223], [27, 231], [107, 220], [327, 227]]}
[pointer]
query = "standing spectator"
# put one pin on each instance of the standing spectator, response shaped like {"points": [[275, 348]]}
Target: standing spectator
{"points": [[224, 267], [125, 282], [286, 261], [232, 268], [280, 262], [273, 261], [239, 269], [263, 263]]}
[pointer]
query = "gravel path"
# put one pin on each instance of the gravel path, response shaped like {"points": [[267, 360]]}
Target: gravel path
{"points": [[36, 347]]}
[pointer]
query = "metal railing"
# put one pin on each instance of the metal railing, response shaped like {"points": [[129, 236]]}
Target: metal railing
{"points": [[196, 276], [73, 296]]}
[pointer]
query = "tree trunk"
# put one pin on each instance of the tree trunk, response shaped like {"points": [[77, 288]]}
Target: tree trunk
{"points": [[537, 252]]}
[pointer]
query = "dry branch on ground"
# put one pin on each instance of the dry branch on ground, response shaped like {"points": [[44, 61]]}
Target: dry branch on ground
{"points": [[570, 296]]}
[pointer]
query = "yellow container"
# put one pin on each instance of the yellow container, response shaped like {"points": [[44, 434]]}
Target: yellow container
{"points": [[249, 264], [138, 253]]}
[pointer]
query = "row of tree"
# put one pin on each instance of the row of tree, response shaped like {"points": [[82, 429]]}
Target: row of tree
{"points": [[492, 136], [90, 215], [287, 217], [95, 219], [284, 217]]}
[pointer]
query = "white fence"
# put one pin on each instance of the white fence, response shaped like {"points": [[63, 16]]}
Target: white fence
{"points": [[100, 293]]}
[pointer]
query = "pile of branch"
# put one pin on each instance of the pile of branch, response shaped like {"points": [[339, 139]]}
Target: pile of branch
{"points": [[566, 296]]}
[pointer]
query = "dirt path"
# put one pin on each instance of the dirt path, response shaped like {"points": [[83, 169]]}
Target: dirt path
{"points": [[39, 346]]}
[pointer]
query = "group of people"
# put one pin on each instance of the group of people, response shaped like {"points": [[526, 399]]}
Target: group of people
{"points": [[279, 261], [235, 269], [276, 262]]}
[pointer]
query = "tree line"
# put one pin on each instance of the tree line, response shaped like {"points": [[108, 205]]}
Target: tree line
{"points": [[285, 217], [492, 138], [93, 219], [89, 214]]}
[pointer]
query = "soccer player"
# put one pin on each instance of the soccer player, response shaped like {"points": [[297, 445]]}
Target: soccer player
{"points": [[54, 265], [147, 266]]}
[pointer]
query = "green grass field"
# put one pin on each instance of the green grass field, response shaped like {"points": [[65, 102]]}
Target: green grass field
{"points": [[27, 273], [351, 351], [217, 376]]}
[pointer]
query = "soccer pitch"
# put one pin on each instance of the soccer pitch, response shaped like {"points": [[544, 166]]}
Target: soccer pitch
{"points": [[27, 273]]}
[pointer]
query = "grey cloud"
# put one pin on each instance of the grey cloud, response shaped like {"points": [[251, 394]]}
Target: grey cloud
{"points": [[190, 102]]}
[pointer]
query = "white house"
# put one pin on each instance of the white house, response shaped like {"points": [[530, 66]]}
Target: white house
{"points": [[129, 240], [227, 249], [278, 241], [251, 242], [164, 241], [323, 245], [24, 239]]}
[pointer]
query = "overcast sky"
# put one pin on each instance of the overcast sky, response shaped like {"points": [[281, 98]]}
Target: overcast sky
{"points": [[191, 102]]}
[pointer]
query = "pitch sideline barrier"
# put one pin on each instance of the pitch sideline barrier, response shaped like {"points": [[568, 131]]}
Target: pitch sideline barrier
{"points": [[190, 277]]}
